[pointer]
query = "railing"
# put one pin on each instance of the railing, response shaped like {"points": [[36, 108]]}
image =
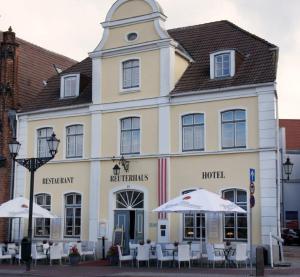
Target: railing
{"points": [[280, 241]]}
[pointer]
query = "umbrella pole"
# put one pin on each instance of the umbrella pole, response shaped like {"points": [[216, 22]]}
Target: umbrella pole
{"points": [[19, 229]]}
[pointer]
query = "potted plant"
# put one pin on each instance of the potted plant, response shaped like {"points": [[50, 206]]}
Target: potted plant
{"points": [[176, 243], [74, 255], [141, 242], [148, 241], [113, 255]]}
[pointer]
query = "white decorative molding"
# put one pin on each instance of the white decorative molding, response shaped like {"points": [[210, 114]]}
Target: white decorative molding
{"points": [[96, 134], [164, 130], [94, 199], [167, 65], [97, 81]]}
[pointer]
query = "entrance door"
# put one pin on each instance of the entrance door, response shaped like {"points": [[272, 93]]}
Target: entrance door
{"points": [[122, 220], [129, 213]]}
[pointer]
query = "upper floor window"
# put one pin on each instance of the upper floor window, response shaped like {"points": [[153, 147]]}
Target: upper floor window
{"points": [[42, 225], [42, 145], [69, 86], [192, 132], [74, 141], [131, 74], [131, 36], [222, 64], [72, 215], [130, 135], [233, 129], [235, 224]]}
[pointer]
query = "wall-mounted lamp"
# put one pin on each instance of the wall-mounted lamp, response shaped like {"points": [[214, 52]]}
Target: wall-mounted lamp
{"points": [[288, 167], [120, 161]]}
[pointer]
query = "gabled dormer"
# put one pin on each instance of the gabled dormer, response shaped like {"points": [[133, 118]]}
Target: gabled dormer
{"points": [[69, 85]]}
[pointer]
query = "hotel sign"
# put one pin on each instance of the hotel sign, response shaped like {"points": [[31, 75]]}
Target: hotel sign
{"points": [[213, 175], [129, 178], [57, 180]]}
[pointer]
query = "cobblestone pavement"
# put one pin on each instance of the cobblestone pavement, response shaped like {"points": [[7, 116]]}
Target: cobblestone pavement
{"points": [[292, 255]]}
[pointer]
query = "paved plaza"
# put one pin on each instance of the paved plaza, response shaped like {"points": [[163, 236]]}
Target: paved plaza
{"points": [[99, 269]]}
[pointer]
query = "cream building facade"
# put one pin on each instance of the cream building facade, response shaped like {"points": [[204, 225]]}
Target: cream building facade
{"points": [[185, 107]]}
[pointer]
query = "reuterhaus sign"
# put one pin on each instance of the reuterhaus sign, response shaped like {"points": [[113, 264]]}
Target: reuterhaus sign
{"points": [[129, 178]]}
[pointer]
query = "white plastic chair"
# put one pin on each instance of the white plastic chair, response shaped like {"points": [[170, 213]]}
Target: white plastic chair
{"points": [[11, 249], [55, 253], [143, 254], [196, 252], [4, 257], [88, 249], [18, 255], [37, 255], [240, 254], [124, 258], [160, 257], [214, 256], [133, 248], [65, 250], [183, 254]]}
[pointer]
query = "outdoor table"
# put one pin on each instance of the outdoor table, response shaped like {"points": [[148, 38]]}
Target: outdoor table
{"points": [[226, 252]]}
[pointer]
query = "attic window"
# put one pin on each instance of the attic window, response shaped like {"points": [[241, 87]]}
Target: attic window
{"points": [[131, 36], [222, 64], [69, 86]]}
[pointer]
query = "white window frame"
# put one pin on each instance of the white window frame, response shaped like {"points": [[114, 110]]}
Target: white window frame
{"points": [[65, 215], [133, 89], [181, 132], [231, 61], [62, 85], [44, 194], [66, 142], [236, 215], [120, 135], [37, 140]]}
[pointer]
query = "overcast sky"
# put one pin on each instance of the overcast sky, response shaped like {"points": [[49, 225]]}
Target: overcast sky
{"points": [[72, 28]]}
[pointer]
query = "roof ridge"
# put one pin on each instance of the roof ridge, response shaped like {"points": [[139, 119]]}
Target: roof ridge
{"points": [[46, 50], [194, 26]]}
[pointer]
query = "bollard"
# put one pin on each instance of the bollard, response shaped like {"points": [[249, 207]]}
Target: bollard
{"points": [[260, 266], [103, 248], [25, 249]]}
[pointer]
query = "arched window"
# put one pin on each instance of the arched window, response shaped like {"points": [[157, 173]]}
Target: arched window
{"points": [[193, 132], [42, 145], [42, 225], [130, 135], [72, 215], [235, 224], [129, 199], [74, 141], [233, 129], [193, 224], [131, 74]]}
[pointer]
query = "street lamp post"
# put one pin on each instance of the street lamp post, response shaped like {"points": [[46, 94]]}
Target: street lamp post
{"points": [[32, 164]]}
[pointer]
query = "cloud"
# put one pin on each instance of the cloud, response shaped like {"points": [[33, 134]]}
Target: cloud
{"points": [[72, 28]]}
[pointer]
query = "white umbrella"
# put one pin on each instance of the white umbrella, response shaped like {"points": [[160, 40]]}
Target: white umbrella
{"points": [[19, 208], [199, 200]]}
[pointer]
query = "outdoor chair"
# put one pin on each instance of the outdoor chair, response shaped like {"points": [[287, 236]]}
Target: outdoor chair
{"points": [[12, 249], [133, 248], [195, 252], [124, 258], [152, 254], [160, 257], [37, 255], [183, 254], [240, 254], [143, 254], [214, 256], [88, 249], [4, 256], [55, 253], [18, 255]]}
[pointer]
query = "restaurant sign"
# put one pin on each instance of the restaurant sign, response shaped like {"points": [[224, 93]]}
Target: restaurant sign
{"points": [[129, 178], [57, 180]]}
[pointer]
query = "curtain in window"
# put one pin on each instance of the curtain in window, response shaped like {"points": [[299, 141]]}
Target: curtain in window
{"points": [[193, 132], [72, 215], [130, 135], [42, 225], [70, 86], [131, 73], [74, 141], [42, 145]]}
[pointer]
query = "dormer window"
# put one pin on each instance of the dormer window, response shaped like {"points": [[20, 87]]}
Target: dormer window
{"points": [[222, 64], [69, 86]]}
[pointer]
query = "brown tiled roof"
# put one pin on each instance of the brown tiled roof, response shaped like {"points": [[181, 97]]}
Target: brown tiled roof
{"points": [[35, 65], [258, 63], [49, 97], [292, 133]]}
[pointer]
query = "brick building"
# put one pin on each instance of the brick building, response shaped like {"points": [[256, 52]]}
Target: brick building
{"points": [[23, 69]]}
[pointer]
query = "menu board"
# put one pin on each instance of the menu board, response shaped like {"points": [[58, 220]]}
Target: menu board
{"points": [[118, 237]]}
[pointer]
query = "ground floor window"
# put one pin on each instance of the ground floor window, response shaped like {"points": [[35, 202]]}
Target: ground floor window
{"points": [[72, 215], [193, 224], [42, 225], [235, 224]]}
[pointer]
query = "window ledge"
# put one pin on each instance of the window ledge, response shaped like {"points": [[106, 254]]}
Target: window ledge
{"points": [[130, 90]]}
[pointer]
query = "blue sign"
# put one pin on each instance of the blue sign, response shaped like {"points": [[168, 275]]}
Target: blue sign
{"points": [[252, 175]]}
